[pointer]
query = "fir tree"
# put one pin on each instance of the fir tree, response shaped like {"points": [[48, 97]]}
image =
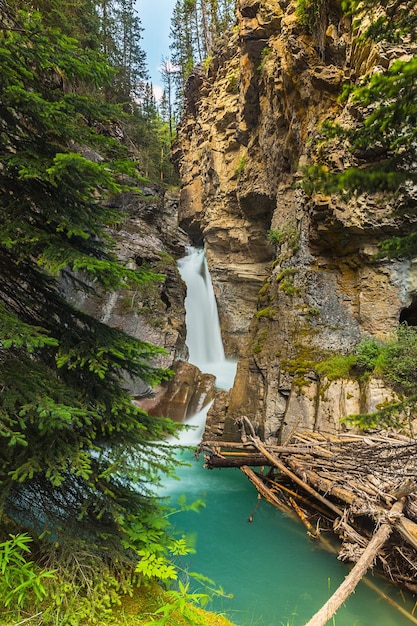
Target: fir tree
{"points": [[196, 26], [78, 458], [383, 139], [130, 59], [167, 72]]}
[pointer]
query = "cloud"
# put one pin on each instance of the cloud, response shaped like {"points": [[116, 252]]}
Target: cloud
{"points": [[169, 66], [158, 92]]}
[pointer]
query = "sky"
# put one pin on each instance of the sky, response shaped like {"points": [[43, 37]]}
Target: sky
{"points": [[155, 16]]}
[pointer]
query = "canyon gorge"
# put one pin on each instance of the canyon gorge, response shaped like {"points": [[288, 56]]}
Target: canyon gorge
{"points": [[296, 276]]}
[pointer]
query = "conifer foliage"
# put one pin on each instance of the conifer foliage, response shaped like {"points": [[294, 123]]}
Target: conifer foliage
{"points": [[77, 458], [383, 139], [196, 26]]}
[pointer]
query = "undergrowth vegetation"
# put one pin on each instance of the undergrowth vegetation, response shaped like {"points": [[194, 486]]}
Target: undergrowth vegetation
{"points": [[75, 592], [394, 361]]}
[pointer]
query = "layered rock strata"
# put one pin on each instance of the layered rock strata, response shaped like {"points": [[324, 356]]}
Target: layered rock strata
{"points": [[314, 286]]}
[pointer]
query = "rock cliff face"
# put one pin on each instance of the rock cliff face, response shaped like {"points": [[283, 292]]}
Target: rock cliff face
{"points": [[314, 286], [154, 311]]}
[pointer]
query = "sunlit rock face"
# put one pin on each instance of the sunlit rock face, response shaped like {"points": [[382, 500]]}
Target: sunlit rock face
{"points": [[317, 287]]}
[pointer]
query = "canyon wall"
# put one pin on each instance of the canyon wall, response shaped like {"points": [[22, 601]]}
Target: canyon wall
{"points": [[313, 286], [154, 310]]}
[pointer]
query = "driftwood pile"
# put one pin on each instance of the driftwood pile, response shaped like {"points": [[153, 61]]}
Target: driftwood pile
{"points": [[360, 488]]}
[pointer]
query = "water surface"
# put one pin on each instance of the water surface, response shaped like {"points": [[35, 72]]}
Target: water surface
{"points": [[276, 574]]}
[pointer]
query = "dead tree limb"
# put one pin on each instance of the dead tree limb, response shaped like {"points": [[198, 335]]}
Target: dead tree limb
{"points": [[259, 446], [358, 571], [254, 460], [265, 491]]}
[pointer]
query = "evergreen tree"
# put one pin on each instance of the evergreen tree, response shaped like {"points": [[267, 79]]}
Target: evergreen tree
{"points": [[196, 26], [120, 40], [130, 61], [167, 105], [76, 18], [78, 458], [182, 46], [383, 142]]}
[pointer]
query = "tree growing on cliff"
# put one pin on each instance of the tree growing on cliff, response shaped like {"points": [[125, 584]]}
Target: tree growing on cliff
{"points": [[196, 26], [122, 32], [383, 138], [77, 458]]}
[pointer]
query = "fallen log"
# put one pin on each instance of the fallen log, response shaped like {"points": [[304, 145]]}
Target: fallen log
{"points": [[265, 491], [408, 531], [344, 484], [312, 532], [324, 484], [294, 477], [358, 571], [308, 447], [254, 460]]}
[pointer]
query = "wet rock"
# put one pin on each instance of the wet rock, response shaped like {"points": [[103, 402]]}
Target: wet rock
{"points": [[184, 395]]}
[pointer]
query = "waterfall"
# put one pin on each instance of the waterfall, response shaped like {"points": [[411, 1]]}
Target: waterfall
{"points": [[204, 341]]}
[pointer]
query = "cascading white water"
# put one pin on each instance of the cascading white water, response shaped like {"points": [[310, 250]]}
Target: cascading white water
{"points": [[203, 333], [204, 341]]}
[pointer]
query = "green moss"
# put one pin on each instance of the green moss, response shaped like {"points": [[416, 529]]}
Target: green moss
{"points": [[286, 281], [309, 311], [260, 342], [299, 367], [267, 313], [288, 271], [241, 165], [395, 361], [263, 293], [337, 366], [263, 290], [289, 288]]}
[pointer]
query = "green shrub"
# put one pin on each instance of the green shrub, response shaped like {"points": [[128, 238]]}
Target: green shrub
{"points": [[368, 353], [287, 235], [233, 80], [265, 51], [398, 361], [310, 14], [206, 62]]}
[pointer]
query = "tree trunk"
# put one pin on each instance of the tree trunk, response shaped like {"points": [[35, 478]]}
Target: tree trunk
{"points": [[253, 460], [359, 570]]}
